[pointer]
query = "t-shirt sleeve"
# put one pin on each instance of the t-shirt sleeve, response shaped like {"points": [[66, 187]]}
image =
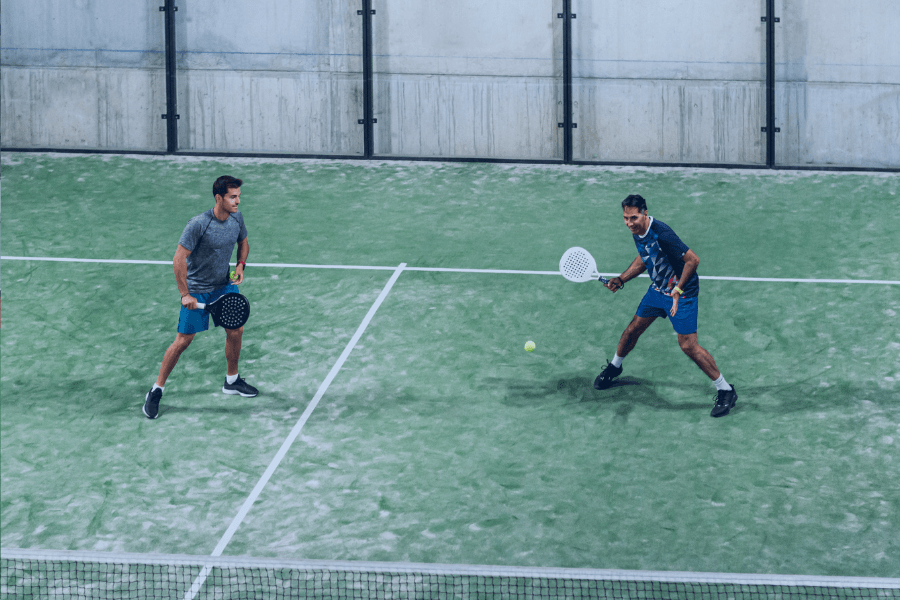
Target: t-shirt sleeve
{"points": [[671, 244], [191, 235], [243, 234]]}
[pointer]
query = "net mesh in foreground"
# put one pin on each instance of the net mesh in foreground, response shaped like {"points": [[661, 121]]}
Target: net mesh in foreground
{"points": [[45, 574]]}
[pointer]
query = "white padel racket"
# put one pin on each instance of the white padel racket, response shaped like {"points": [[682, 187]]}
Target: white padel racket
{"points": [[579, 266]]}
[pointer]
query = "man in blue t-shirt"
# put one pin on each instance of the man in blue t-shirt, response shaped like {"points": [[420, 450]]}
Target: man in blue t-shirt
{"points": [[201, 271], [674, 293]]}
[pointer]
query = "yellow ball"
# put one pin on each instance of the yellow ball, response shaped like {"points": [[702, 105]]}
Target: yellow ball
{"points": [[529, 346], [233, 275]]}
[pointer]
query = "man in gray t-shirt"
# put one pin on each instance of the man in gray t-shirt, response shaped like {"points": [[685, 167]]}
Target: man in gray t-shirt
{"points": [[201, 271]]}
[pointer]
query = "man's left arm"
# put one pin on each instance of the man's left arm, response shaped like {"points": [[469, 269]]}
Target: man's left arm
{"points": [[691, 262], [242, 253]]}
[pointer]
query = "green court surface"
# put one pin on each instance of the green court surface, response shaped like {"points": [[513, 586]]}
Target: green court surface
{"points": [[440, 439]]}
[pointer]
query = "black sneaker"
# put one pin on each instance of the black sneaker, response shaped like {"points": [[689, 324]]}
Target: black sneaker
{"points": [[725, 401], [151, 403], [605, 379], [240, 387]]}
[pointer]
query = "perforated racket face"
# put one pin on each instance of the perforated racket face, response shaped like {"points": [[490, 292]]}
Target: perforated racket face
{"points": [[231, 311], [578, 265]]}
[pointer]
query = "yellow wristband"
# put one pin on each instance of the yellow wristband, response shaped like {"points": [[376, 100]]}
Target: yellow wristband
{"points": [[679, 290]]}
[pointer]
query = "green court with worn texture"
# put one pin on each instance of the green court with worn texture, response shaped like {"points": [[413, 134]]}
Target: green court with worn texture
{"points": [[440, 439]]}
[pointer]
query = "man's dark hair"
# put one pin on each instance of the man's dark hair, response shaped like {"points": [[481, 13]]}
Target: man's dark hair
{"points": [[636, 201], [225, 183]]}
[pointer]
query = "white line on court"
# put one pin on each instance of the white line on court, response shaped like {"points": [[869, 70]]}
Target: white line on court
{"points": [[88, 260], [286, 445], [450, 270]]}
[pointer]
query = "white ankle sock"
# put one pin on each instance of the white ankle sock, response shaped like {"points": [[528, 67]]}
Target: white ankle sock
{"points": [[156, 386], [617, 361], [229, 379], [721, 384]]}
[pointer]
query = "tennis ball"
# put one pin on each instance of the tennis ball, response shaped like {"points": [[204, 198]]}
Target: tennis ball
{"points": [[233, 275], [529, 346]]}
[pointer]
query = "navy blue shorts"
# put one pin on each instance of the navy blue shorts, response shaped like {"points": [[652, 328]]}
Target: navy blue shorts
{"points": [[192, 321], [657, 304]]}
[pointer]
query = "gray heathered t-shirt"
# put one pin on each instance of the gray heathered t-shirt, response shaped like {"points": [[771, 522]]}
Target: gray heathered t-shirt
{"points": [[211, 243]]}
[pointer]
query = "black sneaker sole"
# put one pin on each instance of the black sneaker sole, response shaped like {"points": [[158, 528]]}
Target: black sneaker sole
{"points": [[599, 385], [237, 393]]}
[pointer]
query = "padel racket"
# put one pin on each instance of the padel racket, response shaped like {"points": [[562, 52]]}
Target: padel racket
{"points": [[579, 266], [230, 311]]}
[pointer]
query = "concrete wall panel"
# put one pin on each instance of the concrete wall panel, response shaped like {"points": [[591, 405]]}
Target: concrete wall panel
{"points": [[669, 121], [459, 116], [829, 124], [114, 109], [264, 111], [838, 83]]}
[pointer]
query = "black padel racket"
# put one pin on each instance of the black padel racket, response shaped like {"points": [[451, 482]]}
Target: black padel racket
{"points": [[230, 311]]}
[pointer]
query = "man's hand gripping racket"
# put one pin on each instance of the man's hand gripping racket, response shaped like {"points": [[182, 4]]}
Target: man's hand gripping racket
{"points": [[579, 266]]}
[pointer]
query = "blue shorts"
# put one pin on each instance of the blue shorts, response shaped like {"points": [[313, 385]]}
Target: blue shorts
{"points": [[192, 321], [657, 304]]}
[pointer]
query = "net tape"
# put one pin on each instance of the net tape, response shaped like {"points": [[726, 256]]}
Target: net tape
{"points": [[50, 574]]}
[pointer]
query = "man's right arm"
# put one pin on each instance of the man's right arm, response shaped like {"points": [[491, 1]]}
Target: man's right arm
{"points": [[180, 265], [636, 268]]}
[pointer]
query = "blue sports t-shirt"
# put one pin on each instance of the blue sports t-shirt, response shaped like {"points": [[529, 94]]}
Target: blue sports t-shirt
{"points": [[663, 254], [211, 243]]}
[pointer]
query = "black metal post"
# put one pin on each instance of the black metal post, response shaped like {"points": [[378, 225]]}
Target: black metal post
{"points": [[567, 81], [368, 119], [171, 115], [770, 128]]}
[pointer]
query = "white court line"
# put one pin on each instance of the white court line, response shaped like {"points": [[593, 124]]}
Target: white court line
{"points": [[451, 270], [257, 490], [88, 260]]}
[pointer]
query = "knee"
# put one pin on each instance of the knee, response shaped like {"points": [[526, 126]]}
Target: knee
{"points": [[633, 330], [688, 345], [182, 341]]}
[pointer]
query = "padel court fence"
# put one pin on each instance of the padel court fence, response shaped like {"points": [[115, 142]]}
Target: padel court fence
{"points": [[766, 83], [44, 574]]}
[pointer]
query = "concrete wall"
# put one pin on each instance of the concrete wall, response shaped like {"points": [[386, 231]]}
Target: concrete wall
{"points": [[270, 76], [838, 83], [82, 74], [669, 81], [654, 80], [473, 79]]}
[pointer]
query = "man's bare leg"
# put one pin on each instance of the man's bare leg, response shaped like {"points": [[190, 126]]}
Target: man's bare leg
{"points": [[170, 358]]}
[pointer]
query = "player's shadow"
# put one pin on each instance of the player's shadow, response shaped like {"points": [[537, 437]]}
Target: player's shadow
{"points": [[230, 405], [622, 396]]}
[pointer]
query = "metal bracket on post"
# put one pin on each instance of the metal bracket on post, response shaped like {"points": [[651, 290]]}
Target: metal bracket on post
{"points": [[763, 19], [766, 129]]}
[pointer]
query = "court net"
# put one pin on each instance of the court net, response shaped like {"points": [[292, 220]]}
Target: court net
{"points": [[57, 574]]}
